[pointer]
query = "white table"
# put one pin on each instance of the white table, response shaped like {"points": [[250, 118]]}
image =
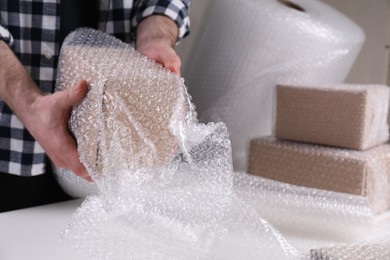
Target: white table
{"points": [[34, 233]]}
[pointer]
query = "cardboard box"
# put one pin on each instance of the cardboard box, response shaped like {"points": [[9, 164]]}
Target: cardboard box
{"points": [[364, 173], [349, 116], [130, 110]]}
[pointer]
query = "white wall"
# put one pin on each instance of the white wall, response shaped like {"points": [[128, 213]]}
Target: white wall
{"points": [[197, 9], [372, 65]]}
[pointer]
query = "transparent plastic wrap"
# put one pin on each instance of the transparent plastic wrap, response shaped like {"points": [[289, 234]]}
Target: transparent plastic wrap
{"points": [[117, 106], [247, 47], [73, 185], [379, 249], [319, 223], [164, 182], [296, 209], [185, 202]]}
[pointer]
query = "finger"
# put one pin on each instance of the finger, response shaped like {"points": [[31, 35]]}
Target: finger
{"points": [[171, 61], [80, 171], [174, 67], [73, 95], [69, 158], [74, 164], [78, 92], [164, 56]]}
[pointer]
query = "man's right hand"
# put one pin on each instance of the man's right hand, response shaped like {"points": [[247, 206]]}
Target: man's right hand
{"points": [[48, 123], [45, 116]]}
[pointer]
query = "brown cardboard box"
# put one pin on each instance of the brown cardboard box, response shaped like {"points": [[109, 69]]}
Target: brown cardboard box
{"points": [[364, 173], [349, 116], [130, 108]]}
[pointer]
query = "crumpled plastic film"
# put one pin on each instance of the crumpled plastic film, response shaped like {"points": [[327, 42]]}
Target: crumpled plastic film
{"points": [[293, 209], [165, 182], [247, 47], [370, 250], [73, 185]]}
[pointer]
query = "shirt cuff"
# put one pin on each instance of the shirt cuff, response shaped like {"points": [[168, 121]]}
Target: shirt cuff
{"points": [[177, 10], [5, 35]]}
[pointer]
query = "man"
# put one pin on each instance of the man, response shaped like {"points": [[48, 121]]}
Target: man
{"points": [[33, 122]]}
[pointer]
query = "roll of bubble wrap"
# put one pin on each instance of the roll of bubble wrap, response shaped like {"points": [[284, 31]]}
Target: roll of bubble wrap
{"points": [[153, 202], [348, 116], [247, 47], [365, 173]]}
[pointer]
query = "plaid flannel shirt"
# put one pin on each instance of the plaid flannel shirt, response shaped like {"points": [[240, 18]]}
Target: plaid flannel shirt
{"points": [[32, 29]]}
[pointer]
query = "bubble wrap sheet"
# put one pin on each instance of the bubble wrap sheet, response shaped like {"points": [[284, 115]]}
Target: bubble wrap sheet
{"points": [[247, 47], [185, 202], [374, 250], [164, 183]]}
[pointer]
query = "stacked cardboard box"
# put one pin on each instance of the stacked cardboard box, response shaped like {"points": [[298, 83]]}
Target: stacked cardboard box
{"points": [[329, 137]]}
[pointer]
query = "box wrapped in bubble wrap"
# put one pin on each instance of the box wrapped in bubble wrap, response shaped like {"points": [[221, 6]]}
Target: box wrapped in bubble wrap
{"points": [[344, 115], [128, 105], [365, 173]]}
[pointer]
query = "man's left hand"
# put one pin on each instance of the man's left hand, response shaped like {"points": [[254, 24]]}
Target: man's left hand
{"points": [[156, 38]]}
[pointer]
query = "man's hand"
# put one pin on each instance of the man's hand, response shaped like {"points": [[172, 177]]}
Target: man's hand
{"points": [[156, 38], [46, 117], [48, 123]]}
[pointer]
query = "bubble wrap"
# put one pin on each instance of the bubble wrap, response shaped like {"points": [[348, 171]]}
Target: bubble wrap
{"points": [[247, 47], [73, 185], [296, 209], [356, 118], [318, 221], [137, 108], [373, 250], [365, 173], [180, 203], [164, 183]]}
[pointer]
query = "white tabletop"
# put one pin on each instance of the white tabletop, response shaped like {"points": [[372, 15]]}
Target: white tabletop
{"points": [[34, 233]]}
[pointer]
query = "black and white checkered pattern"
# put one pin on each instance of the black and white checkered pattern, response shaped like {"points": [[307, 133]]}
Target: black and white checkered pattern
{"points": [[31, 28], [177, 10]]}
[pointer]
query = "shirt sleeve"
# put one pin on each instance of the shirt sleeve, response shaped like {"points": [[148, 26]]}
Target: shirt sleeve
{"points": [[177, 10], [5, 35]]}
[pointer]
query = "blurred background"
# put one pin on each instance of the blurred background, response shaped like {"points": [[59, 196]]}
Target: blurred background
{"points": [[373, 16]]}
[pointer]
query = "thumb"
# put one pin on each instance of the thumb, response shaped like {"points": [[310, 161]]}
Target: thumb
{"points": [[172, 61], [173, 66], [74, 95]]}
